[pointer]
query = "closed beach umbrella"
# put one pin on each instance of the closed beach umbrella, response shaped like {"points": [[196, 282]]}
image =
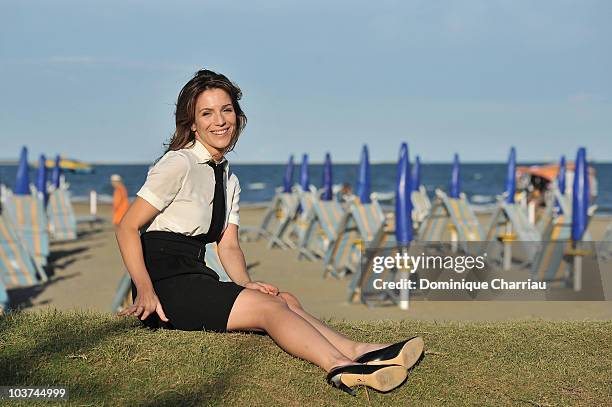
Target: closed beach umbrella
{"points": [[22, 180], [455, 184], [403, 204], [327, 179], [304, 179], [511, 177], [580, 201], [363, 177], [57, 171], [288, 178], [561, 175], [415, 181], [561, 183], [41, 178]]}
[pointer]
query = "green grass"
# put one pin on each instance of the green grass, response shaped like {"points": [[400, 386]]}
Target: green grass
{"points": [[106, 360]]}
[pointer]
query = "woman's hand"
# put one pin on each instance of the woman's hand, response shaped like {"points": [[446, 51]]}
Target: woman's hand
{"points": [[146, 303], [263, 287]]}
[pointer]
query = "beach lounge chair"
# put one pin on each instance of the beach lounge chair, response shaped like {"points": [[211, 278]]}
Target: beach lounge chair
{"points": [[322, 230], [17, 267], [27, 213], [62, 222], [4, 299], [277, 219], [358, 226], [552, 262], [454, 216], [421, 205], [604, 247], [382, 243], [509, 224]]}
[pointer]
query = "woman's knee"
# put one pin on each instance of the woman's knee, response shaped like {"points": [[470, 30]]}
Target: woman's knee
{"points": [[291, 300], [254, 309]]}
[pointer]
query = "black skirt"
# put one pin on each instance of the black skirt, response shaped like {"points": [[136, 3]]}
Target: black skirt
{"points": [[190, 293]]}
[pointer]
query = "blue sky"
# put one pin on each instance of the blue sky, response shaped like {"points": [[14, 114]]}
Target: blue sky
{"points": [[98, 81]]}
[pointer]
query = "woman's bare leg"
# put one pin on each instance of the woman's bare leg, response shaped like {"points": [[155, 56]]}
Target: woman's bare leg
{"points": [[348, 347], [256, 310]]}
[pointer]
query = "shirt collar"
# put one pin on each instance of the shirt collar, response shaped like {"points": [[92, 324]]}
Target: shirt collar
{"points": [[202, 153]]}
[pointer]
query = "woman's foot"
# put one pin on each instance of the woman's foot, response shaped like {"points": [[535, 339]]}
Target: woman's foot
{"points": [[405, 353], [378, 377]]}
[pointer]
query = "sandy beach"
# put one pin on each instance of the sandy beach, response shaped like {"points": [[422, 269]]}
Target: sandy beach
{"points": [[86, 273]]}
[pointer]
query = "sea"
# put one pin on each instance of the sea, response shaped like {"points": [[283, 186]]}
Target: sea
{"points": [[480, 182]]}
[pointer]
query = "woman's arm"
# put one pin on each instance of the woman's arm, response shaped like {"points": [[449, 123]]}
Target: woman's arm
{"points": [[128, 238], [232, 259], [231, 256]]}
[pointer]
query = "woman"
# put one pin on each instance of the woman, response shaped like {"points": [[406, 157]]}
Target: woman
{"points": [[190, 198]]}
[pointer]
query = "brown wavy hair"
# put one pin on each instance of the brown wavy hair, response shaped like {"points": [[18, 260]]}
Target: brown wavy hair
{"points": [[186, 103]]}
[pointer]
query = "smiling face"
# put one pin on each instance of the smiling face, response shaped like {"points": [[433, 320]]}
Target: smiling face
{"points": [[215, 121]]}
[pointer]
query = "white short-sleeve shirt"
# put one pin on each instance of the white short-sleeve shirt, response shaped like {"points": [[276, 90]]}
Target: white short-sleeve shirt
{"points": [[181, 185]]}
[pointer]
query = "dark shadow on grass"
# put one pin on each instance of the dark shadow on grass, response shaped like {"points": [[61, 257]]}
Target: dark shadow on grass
{"points": [[20, 367], [209, 392]]}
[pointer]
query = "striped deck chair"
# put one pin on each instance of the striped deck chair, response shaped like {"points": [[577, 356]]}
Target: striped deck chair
{"points": [[435, 224], [304, 215], [512, 217], [17, 268], [4, 299], [360, 287], [27, 213], [358, 226], [322, 230], [550, 264], [62, 222], [277, 218], [604, 247], [421, 205]]}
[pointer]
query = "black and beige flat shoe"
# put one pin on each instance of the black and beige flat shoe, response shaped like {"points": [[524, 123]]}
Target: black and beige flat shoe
{"points": [[379, 377], [406, 353]]}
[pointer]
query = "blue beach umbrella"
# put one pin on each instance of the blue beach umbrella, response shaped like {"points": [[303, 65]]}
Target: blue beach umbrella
{"points": [[327, 179], [416, 174], [561, 182], [363, 177], [403, 204], [561, 175], [580, 199], [57, 171], [288, 178], [22, 180], [304, 179], [455, 183], [511, 177], [41, 178]]}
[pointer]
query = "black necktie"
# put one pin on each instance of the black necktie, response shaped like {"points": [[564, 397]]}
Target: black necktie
{"points": [[217, 220]]}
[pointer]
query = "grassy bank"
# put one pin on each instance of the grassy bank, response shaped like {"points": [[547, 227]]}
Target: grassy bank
{"points": [[111, 361]]}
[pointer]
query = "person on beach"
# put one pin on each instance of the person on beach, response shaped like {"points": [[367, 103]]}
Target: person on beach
{"points": [[190, 198], [120, 198]]}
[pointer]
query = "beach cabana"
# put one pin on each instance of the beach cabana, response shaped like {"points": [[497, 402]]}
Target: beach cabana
{"points": [[17, 267]]}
